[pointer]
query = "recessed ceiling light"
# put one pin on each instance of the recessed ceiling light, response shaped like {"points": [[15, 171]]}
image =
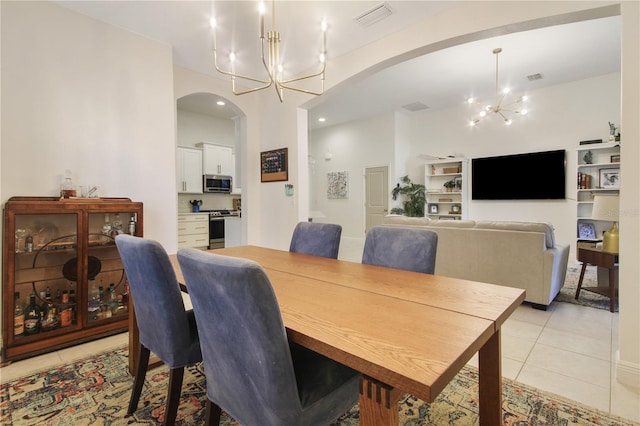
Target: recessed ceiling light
{"points": [[322, 119], [221, 103]]}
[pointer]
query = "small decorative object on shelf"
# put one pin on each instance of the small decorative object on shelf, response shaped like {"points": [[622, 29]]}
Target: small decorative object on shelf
{"points": [[613, 136], [450, 184], [588, 157]]}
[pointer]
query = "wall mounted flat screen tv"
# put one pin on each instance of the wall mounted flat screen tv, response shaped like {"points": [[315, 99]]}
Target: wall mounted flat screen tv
{"points": [[530, 176]]}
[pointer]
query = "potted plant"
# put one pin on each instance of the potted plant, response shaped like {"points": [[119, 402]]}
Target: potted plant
{"points": [[415, 198], [450, 184]]}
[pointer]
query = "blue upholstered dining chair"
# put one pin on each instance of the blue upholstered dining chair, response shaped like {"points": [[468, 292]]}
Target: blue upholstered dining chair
{"points": [[166, 328], [317, 239], [411, 249], [253, 372]]}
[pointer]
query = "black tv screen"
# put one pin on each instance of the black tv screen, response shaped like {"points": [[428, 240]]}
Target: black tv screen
{"points": [[530, 176]]}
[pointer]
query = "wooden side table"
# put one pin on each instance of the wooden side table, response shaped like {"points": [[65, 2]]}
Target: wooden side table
{"points": [[597, 257]]}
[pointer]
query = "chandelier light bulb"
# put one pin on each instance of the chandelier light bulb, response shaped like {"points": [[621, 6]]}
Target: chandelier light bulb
{"points": [[323, 25], [483, 113], [213, 23], [524, 112], [261, 8], [506, 90], [508, 122], [322, 58], [470, 101], [232, 57], [525, 98]]}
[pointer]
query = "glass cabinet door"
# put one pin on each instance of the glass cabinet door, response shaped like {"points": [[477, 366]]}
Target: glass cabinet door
{"points": [[107, 287], [46, 274]]}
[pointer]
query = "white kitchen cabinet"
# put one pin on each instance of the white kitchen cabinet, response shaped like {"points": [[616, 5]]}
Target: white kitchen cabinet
{"points": [[189, 170], [217, 159], [193, 230]]}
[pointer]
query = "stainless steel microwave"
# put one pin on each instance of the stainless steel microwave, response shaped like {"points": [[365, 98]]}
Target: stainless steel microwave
{"points": [[216, 183]]}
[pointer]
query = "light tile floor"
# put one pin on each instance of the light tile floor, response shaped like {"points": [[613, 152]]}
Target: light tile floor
{"points": [[568, 350]]}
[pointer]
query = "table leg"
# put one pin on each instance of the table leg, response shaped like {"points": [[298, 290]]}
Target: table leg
{"points": [[612, 289], [490, 381], [378, 403], [134, 338], [584, 268]]}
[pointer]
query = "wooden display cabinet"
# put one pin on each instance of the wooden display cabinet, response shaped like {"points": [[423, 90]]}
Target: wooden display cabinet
{"points": [[65, 246]]}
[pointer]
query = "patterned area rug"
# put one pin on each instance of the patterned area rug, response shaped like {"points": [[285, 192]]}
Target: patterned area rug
{"points": [[95, 391], [568, 292]]}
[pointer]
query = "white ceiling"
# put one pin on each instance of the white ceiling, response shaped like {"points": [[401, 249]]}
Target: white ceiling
{"points": [[438, 80]]}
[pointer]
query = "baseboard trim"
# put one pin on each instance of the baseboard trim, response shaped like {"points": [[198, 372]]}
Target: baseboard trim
{"points": [[627, 373]]}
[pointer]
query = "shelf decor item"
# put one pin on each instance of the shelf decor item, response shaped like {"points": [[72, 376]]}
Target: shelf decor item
{"points": [[449, 185], [606, 207], [274, 165], [586, 231], [610, 178], [433, 208]]}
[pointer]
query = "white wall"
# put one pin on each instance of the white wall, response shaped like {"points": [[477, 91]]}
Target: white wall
{"points": [[82, 95], [353, 147], [194, 128]]}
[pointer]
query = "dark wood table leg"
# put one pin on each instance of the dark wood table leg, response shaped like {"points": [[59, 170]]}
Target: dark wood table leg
{"points": [[490, 381], [612, 289], [584, 268], [378, 403]]}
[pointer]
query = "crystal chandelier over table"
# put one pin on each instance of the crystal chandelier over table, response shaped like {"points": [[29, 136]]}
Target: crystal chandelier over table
{"points": [[502, 107], [270, 42]]}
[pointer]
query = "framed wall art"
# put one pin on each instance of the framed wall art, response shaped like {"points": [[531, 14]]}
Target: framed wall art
{"points": [[610, 178], [586, 230], [274, 165], [338, 185]]}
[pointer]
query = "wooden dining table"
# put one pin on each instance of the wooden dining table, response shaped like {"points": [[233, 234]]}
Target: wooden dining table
{"points": [[405, 332]]}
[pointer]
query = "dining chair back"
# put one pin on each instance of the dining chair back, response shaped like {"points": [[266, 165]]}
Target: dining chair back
{"points": [[253, 372], [411, 249], [166, 328], [317, 239]]}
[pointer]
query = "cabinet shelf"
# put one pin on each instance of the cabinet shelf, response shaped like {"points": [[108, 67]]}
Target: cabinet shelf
{"points": [[74, 249], [602, 157]]}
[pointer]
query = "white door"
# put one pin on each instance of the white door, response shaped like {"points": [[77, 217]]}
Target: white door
{"points": [[376, 195]]}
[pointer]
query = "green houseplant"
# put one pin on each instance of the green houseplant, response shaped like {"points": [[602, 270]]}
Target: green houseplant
{"points": [[415, 198], [450, 185]]}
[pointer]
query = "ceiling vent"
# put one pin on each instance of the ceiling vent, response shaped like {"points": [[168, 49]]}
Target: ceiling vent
{"points": [[534, 77], [373, 15], [415, 106]]}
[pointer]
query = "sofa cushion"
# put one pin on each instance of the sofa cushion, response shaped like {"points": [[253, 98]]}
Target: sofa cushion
{"points": [[545, 228]]}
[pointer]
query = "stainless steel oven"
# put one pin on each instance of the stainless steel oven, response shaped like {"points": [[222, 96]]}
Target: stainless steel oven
{"points": [[216, 231]]}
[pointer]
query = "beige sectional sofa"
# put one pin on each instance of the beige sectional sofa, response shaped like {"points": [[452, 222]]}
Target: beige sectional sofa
{"points": [[515, 254]]}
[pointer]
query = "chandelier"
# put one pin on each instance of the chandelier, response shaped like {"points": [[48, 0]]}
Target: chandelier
{"points": [[501, 107], [271, 61]]}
